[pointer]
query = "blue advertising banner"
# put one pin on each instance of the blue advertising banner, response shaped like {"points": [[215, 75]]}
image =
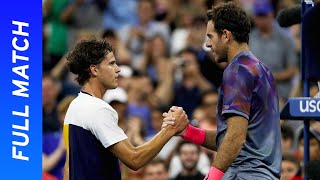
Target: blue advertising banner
{"points": [[302, 108], [305, 107], [20, 89]]}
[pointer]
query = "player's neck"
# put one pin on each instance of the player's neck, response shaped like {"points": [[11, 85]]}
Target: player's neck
{"points": [[93, 90], [235, 49]]}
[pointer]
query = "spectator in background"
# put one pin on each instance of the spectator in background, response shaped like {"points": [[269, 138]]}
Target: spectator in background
{"points": [[118, 100], [287, 139], [60, 70], [155, 50], [188, 90], [57, 15], [88, 16], [314, 145], [199, 116], [163, 92], [202, 120], [118, 14], [156, 170], [138, 105], [136, 131], [314, 124], [125, 76], [209, 101], [135, 35], [50, 91], [121, 52], [47, 176], [189, 155], [143, 94], [290, 168], [131, 174], [210, 69], [196, 37], [273, 47], [312, 170], [179, 36], [53, 147]]}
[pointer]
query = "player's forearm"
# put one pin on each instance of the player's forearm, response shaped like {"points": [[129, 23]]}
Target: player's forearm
{"points": [[228, 151], [210, 140], [146, 152], [200, 137]]}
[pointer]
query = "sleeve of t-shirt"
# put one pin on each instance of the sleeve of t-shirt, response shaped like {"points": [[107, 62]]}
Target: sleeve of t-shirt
{"points": [[238, 85], [105, 127]]}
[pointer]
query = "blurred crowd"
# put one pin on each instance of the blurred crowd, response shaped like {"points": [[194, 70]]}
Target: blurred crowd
{"points": [[160, 48]]}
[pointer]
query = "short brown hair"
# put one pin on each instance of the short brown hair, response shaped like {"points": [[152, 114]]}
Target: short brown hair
{"points": [[231, 17], [87, 53]]}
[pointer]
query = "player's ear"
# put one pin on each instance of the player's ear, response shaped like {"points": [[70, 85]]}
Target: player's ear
{"points": [[227, 35], [93, 69]]}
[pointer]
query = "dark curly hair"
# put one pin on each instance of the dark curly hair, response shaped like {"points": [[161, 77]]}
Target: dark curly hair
{"points": [[231, 17], [85, 54]]}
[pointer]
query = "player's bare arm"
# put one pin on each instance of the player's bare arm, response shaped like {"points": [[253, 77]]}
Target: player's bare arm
{"points": [[209, 141], [137, 157], [232, 143]]}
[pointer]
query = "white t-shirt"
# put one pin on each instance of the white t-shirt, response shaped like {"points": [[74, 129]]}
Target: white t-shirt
{"points": [[96, 116], [90, 127]]}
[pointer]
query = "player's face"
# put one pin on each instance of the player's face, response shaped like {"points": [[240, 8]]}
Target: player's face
{"points": [[216, 44], [108, 72]]}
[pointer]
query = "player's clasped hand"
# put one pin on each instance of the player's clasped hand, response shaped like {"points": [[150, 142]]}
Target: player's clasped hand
{"points": [[176, 117]]}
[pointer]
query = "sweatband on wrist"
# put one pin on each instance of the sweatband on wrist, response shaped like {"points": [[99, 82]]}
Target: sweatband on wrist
{"points": [[214, 174], [194, 135]]}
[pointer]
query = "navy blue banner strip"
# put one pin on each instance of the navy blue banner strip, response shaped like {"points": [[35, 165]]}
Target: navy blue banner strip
{"points": [[20, 89], [305, 107]]}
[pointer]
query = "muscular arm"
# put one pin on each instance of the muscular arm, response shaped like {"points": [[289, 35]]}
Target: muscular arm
{"points": [[232, 142], [210, 140], [136, 157]]}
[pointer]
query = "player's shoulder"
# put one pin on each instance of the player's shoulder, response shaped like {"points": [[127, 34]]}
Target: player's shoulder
{"points": [[85, 106], [89, 102], [93, 105], [244, 61]]}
